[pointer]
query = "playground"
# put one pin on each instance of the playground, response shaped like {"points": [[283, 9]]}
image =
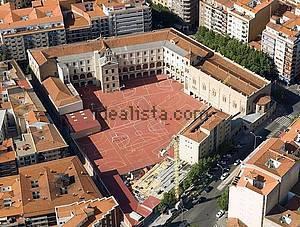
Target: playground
{"points": [[138, 122]]}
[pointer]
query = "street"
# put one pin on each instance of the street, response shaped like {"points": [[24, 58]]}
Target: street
{"points": [[204, 213]]}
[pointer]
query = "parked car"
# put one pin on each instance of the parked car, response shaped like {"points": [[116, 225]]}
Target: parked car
{"points": [[237, 162], [224, 176], [223, 162], [220, 213], [208, 189], [228, 155]]}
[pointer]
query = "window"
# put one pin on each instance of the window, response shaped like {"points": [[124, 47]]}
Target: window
{"points": [[112, 70], [88, 68], [113, 85], [224, 98], [34, 184], [151, 51], [36, 195], [234, 104], [138, 53], [131, 55], [214, 93], [88, 61], [194, 81], [107, 86], [106, 71], [113, 78], [81, 62], [74, 63], [145, 52], [203, 86], [107, 78]]}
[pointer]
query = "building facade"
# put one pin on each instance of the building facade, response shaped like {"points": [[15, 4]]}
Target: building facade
{"points": [[51, 23], [280, 40], [204, 135], [27, 202], [187, 10], [206, 75], [265, 179], [243, 20]]}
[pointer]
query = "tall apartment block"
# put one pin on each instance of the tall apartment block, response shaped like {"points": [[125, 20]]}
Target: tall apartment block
{"points": [[187, 10], [241, 19], [280, 40], [51, 23], [267, 182], [127, 17]]}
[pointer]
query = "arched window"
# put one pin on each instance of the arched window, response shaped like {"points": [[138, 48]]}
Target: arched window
{"points": [[82, 76], [214, 93], [89, 75], [75, 77], [125, 69]]}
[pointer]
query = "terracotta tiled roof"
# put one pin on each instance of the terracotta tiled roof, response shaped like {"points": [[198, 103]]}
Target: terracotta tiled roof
{"points": [[86, 212], [7, 152], [47, 138], [215, 65], [208, 121], [16, 18], [59, 92], [50, 178], [292, 132]]}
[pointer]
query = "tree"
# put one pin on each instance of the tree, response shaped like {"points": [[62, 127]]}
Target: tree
{"points": [[239, 52], [224, 199]]}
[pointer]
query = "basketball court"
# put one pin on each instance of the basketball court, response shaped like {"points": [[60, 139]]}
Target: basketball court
{"points": [[135, 136]]}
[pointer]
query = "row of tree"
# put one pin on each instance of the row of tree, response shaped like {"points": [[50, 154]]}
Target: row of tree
{"points": [[239, 52]]}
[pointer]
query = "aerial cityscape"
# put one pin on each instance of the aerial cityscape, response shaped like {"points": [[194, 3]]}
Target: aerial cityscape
{"points": [[144, 113]]}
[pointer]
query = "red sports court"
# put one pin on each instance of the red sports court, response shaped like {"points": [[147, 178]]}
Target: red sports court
{"points": [[133, 142]]}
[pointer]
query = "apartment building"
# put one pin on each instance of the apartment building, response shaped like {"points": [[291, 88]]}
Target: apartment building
{"points": [[36, 139], [127, 17], [96, 212], [21, 29], [243, 19], [64, 98], [30, 198], [187, 10], [265, 180], [204, 135], [85, 21], [8, 164], [281, 41], [51, 23], [206, 75]]}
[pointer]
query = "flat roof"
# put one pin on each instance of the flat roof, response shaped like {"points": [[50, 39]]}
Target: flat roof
{"points": [[82, 120], [217, 66]]}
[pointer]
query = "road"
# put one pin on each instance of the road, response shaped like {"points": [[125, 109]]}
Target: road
{"points": [[288, 107]]}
